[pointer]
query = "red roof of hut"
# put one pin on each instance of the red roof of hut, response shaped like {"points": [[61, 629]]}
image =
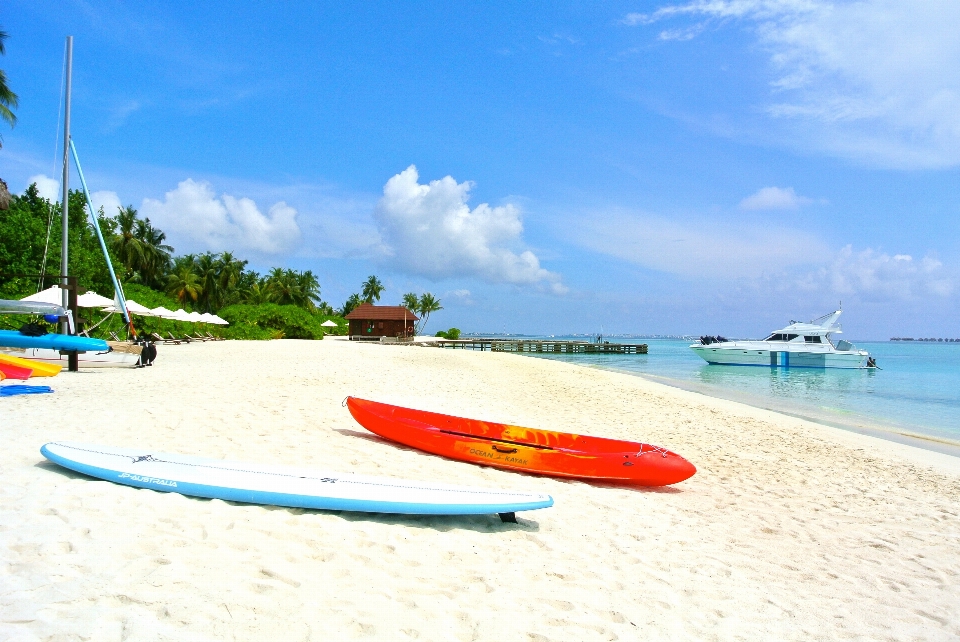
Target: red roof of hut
{"points": [[370, 312]]}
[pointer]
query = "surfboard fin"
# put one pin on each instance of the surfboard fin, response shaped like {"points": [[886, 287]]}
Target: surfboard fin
{"points": [[510, 518]]}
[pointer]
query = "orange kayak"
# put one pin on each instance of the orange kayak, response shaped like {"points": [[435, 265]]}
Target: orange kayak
{"points": [[528, 450]]}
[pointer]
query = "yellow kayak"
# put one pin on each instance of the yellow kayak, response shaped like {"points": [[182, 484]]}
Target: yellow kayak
{"points": [[40, 369]]}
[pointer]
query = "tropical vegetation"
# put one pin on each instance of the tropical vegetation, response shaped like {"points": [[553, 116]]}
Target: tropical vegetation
{"points": [[280, 303], [452, 334], [8, 99]]}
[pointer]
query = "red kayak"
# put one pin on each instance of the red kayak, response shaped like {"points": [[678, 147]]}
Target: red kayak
{"points": [[529, 450], [15, 372]]}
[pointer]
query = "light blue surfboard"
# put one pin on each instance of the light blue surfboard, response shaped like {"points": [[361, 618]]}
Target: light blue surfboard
{"points": [[284, 486], [13, 339]]}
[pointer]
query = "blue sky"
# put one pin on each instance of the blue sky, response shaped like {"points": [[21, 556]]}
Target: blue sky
{"points": [[663, 168]]}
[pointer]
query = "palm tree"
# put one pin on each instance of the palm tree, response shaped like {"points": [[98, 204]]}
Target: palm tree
{"points": [[372, 288], [8, 99], [256, 292], [183, 283], [281, 289], [350, 304], [139, 246], [309, 287], [129, 249], [411, 302], [157, 252], [229, 274], [207, 269], [428, 304]]}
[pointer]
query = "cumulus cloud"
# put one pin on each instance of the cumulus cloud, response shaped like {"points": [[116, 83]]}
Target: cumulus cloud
{"points": [[194, 211], [48, 188], [773, 198], [108, 200], [875, 274], [875, 80], [431, 231], [700, 249]]}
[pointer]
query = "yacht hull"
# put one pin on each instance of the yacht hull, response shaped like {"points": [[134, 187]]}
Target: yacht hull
{"points": [[757, 356]]}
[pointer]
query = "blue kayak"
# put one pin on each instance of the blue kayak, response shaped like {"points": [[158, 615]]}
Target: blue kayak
{"points": [[13, 339]]}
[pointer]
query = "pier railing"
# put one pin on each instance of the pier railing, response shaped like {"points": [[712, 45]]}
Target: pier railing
{"points": [[541, 345]]}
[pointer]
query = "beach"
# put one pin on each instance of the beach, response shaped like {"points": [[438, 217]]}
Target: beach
{"points": [[789, 530]]}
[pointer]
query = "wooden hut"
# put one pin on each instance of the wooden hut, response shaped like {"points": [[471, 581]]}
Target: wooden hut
{"points": [[370, 322]]}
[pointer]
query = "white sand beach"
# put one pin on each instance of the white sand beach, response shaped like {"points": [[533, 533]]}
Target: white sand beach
{"points": [[790, 530]]}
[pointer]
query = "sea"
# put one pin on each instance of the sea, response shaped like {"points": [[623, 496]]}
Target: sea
{"points": [[913, 397]]}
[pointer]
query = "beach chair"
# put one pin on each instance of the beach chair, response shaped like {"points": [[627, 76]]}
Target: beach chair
{"points": [[183, 339], [214, 338], [197, 337], [159, 339]]}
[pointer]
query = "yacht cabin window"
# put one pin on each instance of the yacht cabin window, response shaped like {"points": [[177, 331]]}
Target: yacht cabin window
{"points": [[813, 339], [781, 337]]}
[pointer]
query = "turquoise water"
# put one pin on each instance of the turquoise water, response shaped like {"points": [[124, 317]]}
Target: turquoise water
{"points": [[916, 391]]}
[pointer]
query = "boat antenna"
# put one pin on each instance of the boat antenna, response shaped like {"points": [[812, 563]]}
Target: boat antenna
{"points": [[103, 246], [65, 186]]}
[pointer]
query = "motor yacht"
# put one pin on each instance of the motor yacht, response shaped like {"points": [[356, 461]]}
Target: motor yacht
{"points": [[799, 345]]}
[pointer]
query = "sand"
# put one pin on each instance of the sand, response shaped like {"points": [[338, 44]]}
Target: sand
{"points": [[790, 529]]}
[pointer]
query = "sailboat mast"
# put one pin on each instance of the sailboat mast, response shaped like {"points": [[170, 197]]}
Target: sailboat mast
{"points": [[65, 184]]}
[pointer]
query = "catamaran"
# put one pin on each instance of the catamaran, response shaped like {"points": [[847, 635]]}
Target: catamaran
{"points": [[799, 345]]}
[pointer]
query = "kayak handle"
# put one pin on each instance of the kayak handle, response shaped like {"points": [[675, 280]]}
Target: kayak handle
{"points": [[500, 449]]}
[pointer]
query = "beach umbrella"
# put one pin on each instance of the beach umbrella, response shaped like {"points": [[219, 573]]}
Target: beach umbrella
{"points": [[195, 317], [133, 308], [219, 321], [93, 300], [53, 295], [206, 317], [181, 315], [329, 324], [163, 313]]}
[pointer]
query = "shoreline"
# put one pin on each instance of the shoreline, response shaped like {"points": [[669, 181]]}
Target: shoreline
{"points": [[896, 432], [868, 426]]}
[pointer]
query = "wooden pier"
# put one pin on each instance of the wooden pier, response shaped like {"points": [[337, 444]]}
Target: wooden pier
{"points": [[541, 345]]}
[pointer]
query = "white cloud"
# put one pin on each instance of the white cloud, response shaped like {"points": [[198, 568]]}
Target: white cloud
{"points": [[48, 188], [109, 201], [875, 274], [193, 210], [431, 231], [773, 198], [875, 80], [704, 249]]}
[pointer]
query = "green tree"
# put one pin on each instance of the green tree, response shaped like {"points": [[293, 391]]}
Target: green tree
{"points": [[372, 289], [411, 301], [427, 305], [159, 253], [350, 304], [8, 99], [183, 283]]}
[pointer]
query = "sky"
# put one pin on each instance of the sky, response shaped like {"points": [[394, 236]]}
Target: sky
{"points": [[693, 167]]}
